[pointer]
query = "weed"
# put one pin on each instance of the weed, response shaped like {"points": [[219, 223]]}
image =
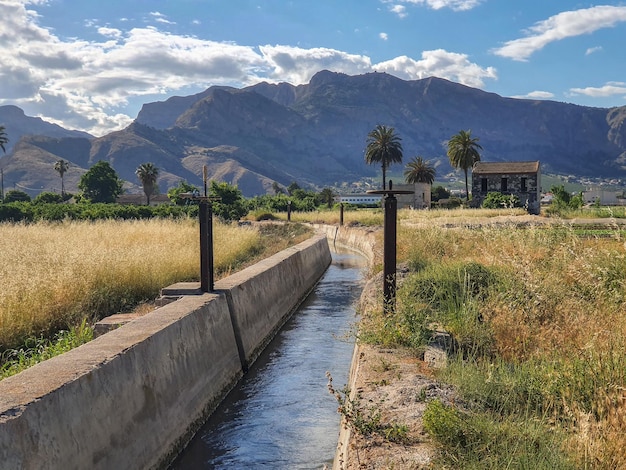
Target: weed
{"points": [[365, 421], [39, 349]]}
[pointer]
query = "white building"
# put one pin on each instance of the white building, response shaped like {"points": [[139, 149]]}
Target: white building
{"points": [[360, 199], [604, 197]]}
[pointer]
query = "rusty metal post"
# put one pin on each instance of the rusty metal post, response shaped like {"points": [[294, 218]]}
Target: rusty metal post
{"points": [[206, 246], [341, 214]]}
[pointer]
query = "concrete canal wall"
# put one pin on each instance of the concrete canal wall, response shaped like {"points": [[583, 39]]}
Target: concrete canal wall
{"points": [[134, 396]]}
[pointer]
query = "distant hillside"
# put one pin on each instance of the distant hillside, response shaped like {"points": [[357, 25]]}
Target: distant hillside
{"points": [[315, 134], [17, 124]]}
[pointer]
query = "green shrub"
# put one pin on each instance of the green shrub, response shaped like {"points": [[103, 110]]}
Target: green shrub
{"points": [[444, 424], [16, 212], [449, 203], [48, 198], [15, 195], [259, 215], [495, 200]]}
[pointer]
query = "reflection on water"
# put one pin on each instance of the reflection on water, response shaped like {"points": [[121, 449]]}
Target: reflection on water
{"points": [[281, 415]]}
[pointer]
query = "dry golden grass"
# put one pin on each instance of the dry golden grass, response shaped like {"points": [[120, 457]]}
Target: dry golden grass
{"points": [[562, 301], [55, 274], [376, 216]]}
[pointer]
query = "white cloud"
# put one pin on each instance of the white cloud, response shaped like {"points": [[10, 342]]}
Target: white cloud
{"points": [[296, 65], [564, 25], [440, 63], [536, 95], [160, 18], [456, 5], [592, 50], [110, 32], [383, 36], [88, 85], [610, 89], [399, 10]]}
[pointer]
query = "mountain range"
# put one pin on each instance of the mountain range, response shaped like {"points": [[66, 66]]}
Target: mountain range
{"points": [[315, 134]]}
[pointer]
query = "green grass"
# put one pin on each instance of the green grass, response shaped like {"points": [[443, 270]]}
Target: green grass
{"points": [[36, 350], [536, 317]]}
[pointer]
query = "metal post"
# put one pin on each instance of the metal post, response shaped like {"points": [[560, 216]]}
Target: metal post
{"points": [[389, 262], [341, 214], [210, 243], [390, 204], [206, 246], [288, 211]]}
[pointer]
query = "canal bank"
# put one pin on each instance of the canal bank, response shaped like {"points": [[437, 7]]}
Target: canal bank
{"points": [[392, 383]]}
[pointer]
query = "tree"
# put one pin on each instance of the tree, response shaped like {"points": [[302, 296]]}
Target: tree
{"points": [[384, 147], [48, 198], [292, 188], [3, 139], [419, 171], [231, 204], [277, 188], [183, 187], [439, 192], [16, 195], [147, 174], [560, 196], [327, 196], [100, 183], [463, 153], [61, 166]]}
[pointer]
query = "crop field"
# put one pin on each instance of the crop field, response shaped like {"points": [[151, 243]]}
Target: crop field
{"points": [[56, 275]]}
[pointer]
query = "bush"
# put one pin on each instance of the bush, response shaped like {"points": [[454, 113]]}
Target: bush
{"points": [[450, 203], [28, 212], [15, 195], [16, 212], [444, 424], [263, 215], [495, 200], [48, 198]]}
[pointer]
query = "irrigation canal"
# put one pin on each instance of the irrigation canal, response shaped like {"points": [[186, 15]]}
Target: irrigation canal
{"points": [[281, 415]]}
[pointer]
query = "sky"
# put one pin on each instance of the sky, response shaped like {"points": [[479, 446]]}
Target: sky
{"points": [[90, 65]]}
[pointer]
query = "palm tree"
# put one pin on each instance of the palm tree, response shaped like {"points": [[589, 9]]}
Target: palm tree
{"points": [[463, 152], [327, 195], [419, 171], [3, 139], [61, 166], [384, 147], [147, 174]]}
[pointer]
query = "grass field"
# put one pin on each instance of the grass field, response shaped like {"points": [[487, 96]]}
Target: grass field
{"points": [[538, 318], [55, 275]]}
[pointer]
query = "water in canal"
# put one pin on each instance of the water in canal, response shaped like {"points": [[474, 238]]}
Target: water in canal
{"points": [[280, 415]]}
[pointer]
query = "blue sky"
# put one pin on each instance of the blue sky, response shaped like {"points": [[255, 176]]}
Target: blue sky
{"points": [[90, 65]]}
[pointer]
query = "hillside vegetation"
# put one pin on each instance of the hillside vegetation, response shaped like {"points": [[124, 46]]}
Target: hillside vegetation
{"points": [[315, 134]]}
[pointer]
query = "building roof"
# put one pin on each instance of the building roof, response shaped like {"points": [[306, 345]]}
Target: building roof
{"points": [[501, 168]]}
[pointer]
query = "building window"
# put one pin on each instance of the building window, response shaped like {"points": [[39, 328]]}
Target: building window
{"points": [[504, 185], [483, 185], [524, 188]]}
